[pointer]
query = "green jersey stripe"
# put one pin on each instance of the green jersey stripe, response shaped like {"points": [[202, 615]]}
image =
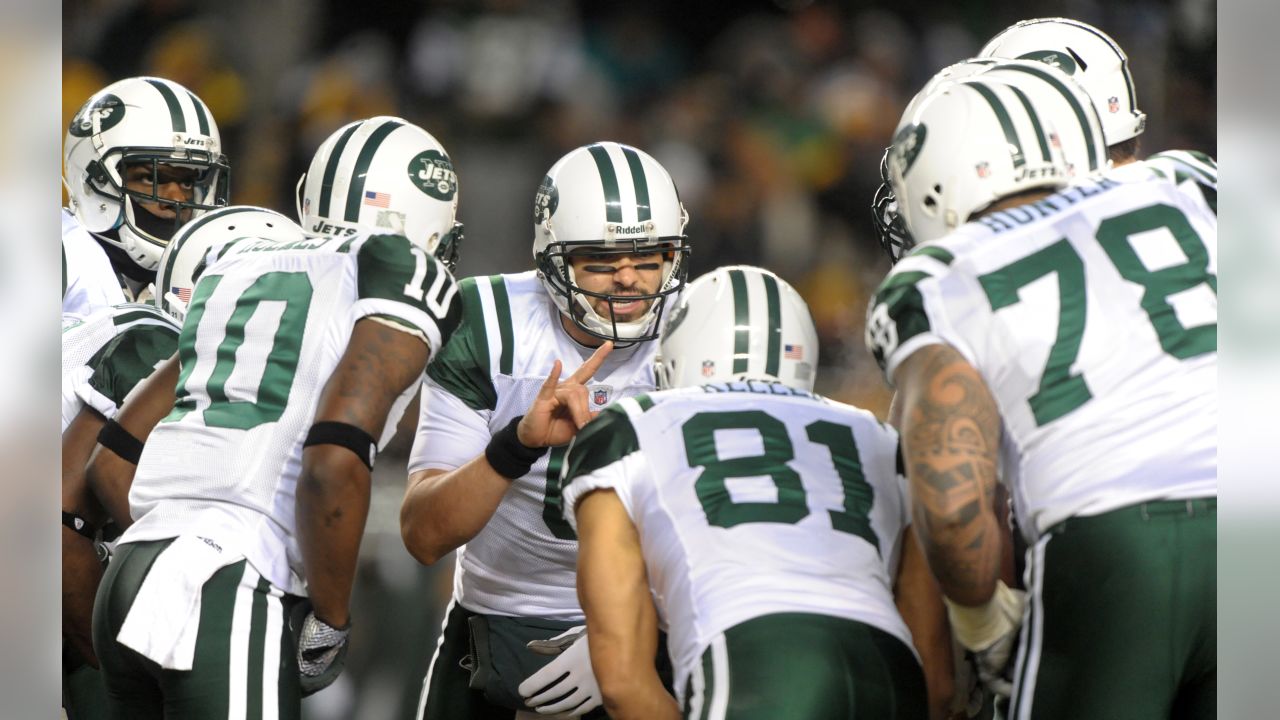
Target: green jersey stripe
{"points": [[609, 181], [1076, 108], [201, 116], [355, 191], [608, 438], [773, 356], [645, 402], [1006, 122], [1035, 121], [942, 255], [741, 321], [171, 99], [640, 182], [502, 308], [331, 169], [140, 314], [708, 683]]}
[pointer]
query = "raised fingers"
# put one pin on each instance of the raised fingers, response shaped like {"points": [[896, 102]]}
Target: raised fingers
{"points": [[593, 363]]}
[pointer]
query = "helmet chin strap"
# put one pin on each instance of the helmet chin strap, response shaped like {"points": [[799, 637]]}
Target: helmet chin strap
{"points": [[595, 322]]}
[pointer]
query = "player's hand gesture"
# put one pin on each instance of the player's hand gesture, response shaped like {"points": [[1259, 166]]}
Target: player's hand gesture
{"points": [[561, 408]]}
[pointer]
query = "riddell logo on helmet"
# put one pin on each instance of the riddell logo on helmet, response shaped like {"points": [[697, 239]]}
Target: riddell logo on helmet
{"points": [[628, 230]]}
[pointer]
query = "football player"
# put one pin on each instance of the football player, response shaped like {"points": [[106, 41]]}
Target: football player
{"points": [[142, 157], [610, 254], [104, 356], [1101, 67], [767, 524], [298, 356], [1061, 326]]}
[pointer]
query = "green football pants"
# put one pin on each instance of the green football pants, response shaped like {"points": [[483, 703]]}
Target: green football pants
{"points": [[245, 664], [1122, 619], [802, 666]]}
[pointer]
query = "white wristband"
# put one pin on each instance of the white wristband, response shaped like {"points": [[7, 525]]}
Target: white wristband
{"points": [[978, 627]]}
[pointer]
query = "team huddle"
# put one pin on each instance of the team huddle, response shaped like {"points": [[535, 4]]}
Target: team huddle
{"points": [[651, 513]]}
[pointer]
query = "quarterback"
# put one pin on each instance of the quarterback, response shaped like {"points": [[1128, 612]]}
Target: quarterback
{"points": [[610, 254]]}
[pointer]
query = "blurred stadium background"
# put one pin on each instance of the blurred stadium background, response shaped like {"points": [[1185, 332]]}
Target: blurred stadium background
{"points": [[771, 117]]}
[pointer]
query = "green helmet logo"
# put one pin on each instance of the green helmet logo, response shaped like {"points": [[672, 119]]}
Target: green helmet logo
{"points": [[1061, 60], [545, 201], [107, 109], [907, 145], [432, 172]]}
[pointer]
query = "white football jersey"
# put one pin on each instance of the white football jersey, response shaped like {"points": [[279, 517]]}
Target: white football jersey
{"points": [[106, 354], [1195, 174], [751, 498], [523, 562], [88, 281], [265, 328], [1092, 316]]}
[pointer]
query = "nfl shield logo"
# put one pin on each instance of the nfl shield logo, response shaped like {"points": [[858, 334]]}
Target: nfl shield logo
{"points": [[1113, 104], [708, 368], [600, 395], [983, 169]]}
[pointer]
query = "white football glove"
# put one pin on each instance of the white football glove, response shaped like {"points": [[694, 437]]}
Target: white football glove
{"points": [[566, 686], [990, 632]]}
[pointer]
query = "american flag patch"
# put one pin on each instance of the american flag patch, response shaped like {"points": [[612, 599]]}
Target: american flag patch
{"points": [[793, 352], [377, 199], [184, 294]]}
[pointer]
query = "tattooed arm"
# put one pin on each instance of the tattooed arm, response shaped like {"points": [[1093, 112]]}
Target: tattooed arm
{"points": [[951, 437], [333, 490]]}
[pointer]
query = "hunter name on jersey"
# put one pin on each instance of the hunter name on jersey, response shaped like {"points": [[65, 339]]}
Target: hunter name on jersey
{"points": [[265, 328], [750, 498], [523, 562], [1133, 267]]}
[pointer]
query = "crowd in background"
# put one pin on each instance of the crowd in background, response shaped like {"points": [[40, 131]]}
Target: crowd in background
{"points": [[770, 116]]}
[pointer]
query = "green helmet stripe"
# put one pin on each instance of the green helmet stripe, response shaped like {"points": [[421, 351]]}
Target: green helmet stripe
{"points": [[331, 169], [201, 115], [171, 99], [1083, 119], [1124, 60], [608, 179], [773, 357], [1006, 123], [1035, 121], [356, 189], [741, 321], [640, 182]]}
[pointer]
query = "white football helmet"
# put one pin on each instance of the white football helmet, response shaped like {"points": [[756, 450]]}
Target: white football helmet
{"points": [[383, 174], [185, 258], [738, 323], [1088, 55], [1018, 126], [150, 121], [615, 200]]}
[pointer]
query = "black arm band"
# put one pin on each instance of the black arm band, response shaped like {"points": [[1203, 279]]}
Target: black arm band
{"points": [[508, 456], [350, 437], [120, 441], [78, 524]]}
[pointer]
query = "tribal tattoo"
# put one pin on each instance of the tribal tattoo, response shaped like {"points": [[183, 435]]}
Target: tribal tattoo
{"points": [[951, 439]]}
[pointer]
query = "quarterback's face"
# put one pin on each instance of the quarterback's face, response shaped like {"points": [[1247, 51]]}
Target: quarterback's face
{"points": [[618, 275], [167, 182]]}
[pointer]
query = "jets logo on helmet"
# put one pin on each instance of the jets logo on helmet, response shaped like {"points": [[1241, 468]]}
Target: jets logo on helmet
{"points": [[383, 174], [611, 199], [104, 112], [432, 172]]}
